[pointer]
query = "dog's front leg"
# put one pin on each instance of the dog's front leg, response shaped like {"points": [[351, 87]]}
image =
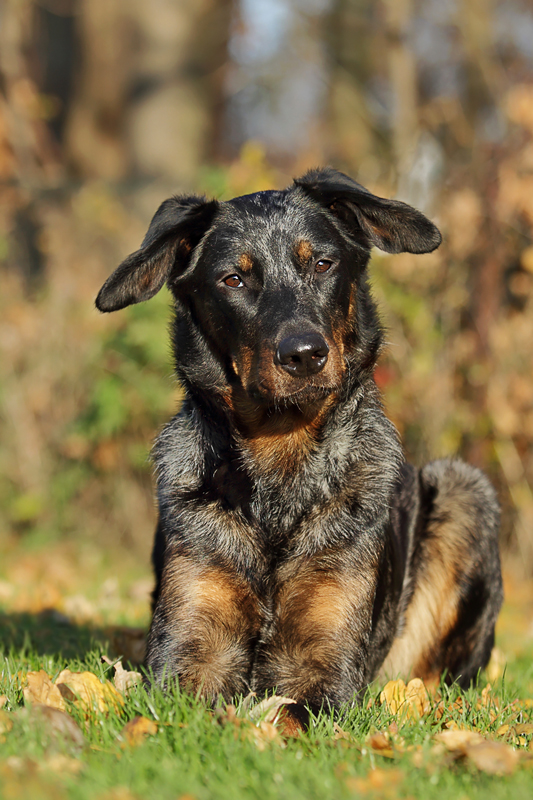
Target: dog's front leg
{"points": [[204, 629], [316, 646]]}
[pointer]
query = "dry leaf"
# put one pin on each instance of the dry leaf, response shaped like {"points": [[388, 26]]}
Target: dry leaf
{"points": [[58, 724], [411, 700], [524, 728], [498, 659], [393, 695], [380, 743], [340, 734], [118, 793], [495, 758], [274, 710], [378, 782], [262, 735], [124, 679], [416, 698], [3, 700], [6, 722], [62, 764], [458, 739], [85, 688], [268, 710], [228, 716], [137, 729], [40, 689]]}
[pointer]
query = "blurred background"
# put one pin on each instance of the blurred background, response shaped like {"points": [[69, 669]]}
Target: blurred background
{"points": [[109, 106]]}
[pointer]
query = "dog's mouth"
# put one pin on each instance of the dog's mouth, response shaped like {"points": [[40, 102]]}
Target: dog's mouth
{"points": [[304, 396]]}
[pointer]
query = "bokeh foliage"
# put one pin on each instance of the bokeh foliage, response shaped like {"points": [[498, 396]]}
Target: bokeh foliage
{"points": [[422, 101]]}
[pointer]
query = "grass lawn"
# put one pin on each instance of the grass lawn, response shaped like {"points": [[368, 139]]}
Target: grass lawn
{"points": [[61, 612]]}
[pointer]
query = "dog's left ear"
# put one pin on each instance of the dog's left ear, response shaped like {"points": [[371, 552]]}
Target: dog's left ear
{"points": [[176, 228], [390, 225]]}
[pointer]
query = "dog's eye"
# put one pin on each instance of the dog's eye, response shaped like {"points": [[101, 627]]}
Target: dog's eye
{"points": [[234, 282], [323, 265]]}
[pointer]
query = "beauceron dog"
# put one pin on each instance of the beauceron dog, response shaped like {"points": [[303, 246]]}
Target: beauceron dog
{"points": [[295, 549]]}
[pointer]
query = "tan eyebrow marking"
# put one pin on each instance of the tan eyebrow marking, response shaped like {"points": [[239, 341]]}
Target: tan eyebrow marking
{"points": [[304, 250], [245, 262]]}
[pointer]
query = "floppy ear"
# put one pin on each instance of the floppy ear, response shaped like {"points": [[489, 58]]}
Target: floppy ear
{"points": [[178, 225], [390, 225]]}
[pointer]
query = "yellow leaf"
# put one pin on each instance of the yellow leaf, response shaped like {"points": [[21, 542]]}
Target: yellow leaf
{"points": [[262, 735], [411, 700], [524, 728], [85, 688], [40, 689], [65, 765], [498, 659], [380, 743], [393, 695], [6, 722], [378, 783], [137, 729], [458, 739], [495, 758], [417, 699]]}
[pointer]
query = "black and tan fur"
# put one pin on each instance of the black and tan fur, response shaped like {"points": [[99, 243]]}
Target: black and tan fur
{"points": [[295, 549]]}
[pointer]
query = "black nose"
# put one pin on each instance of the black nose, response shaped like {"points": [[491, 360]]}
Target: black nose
{"points": [[302, 355]]}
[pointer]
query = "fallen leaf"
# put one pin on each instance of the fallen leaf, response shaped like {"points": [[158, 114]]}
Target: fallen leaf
{"points": [[339, 733], [248, 701], [458, 739], [269, 709], [417, 698], [228, 716], [3, 700], [6, 722], [40, 689], [85, 688], [137, 729], [118, 793], [124, 679], [411, 700], [378, 782], [58, 724], [496, 665], [524, 728], [66, 765], [263, 735], [380, 743], [495, 758]]}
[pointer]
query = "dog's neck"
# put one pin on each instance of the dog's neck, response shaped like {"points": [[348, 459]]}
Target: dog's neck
{"points": [[275, 468]]}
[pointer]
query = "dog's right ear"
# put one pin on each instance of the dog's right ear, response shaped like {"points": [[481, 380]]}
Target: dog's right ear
{"points": [[178, 225]]}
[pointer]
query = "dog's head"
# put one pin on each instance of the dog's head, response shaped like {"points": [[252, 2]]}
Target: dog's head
{"points": [[271, 293]]}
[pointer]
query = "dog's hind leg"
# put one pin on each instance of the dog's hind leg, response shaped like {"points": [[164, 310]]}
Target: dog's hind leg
{"points": [[453, 590]]}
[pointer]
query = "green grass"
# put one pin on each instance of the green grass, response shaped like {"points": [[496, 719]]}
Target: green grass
{"points": [[193, 754]]}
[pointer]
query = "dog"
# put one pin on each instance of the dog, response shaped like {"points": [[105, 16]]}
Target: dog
{"points": [[296, 550]]}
